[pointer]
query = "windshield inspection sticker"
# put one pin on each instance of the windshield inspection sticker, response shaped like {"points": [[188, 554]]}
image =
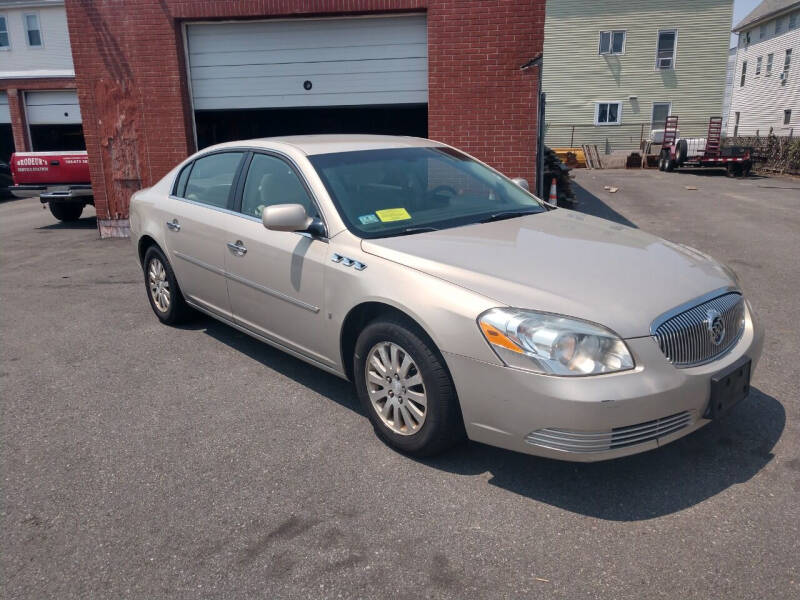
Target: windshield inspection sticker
{"points": [[388, 215], [367, 219]]}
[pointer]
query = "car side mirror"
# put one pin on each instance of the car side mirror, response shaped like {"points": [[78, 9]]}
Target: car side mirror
{"points": [[286, 217], [522, 182]]}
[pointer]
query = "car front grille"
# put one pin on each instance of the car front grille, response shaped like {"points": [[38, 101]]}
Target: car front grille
{"points": [[685, 338], [601, 441]]}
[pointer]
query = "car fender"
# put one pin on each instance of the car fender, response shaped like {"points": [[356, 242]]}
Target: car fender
{"points": [[445, 311]]}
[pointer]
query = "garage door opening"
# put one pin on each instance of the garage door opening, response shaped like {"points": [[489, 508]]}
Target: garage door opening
{"points": [[217, 126], [54, 121], [302, 76], [6, 134], [6, 142], [57, 137]]}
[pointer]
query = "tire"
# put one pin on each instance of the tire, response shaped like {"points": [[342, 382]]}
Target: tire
{"points": [[682, 152], [441, 425], [669, 165], [661, 163], [66, 211], [175, 310]]}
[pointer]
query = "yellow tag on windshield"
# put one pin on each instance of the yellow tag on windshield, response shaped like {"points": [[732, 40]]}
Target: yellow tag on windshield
{"points": [[393, 214]]}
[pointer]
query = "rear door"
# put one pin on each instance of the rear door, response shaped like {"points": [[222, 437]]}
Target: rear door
{"points": [[197, 219], [276, 278]]}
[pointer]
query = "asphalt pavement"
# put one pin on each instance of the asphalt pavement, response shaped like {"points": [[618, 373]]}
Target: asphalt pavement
{"points": [[144, 461]]}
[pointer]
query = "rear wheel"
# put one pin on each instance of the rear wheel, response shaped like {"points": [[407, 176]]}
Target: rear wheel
{"points": [[405, 388], [66, 211], [165, 296], [669, 164]]}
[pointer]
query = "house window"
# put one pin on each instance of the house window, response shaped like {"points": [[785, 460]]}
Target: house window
{"points": [[33, 34], [736, 125], [661, 111], [608, 113], [612, 42], [787, 61], [787, 117], [762, 32], [665, 52], [770, 57], [778, 25], [744, 72], [4, 43], [794, 20], [759, 60]]}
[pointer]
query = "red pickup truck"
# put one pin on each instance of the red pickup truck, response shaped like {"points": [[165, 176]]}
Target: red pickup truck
{"points": [[60, 179]]}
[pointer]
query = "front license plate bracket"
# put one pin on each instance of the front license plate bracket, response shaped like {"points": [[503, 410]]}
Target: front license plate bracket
{"points": [[728, 388]]}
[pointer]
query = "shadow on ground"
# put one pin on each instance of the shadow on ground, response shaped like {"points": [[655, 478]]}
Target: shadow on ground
{"points": [[589, 204], [84, 223], [634, 488]]}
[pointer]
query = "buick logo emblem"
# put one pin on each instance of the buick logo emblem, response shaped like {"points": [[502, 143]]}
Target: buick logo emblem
{"points": [[715, 326]]}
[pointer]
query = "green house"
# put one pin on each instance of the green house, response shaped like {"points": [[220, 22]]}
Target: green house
{"points": [[615, 69]]}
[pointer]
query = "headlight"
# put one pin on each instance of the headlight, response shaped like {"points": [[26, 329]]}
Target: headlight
{"points": [[553, 344]]}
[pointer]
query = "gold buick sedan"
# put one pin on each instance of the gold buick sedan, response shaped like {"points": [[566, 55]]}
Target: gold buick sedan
{"points": [[459, 304]]}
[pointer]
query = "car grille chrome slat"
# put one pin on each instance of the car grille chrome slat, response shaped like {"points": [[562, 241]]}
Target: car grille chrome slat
{"points": [[601, 441], [684, 338]]}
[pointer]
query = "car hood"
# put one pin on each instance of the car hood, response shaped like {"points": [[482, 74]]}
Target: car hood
{"points": [[564, 262]]}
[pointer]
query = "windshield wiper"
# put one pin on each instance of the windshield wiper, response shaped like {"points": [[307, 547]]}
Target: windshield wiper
{"points": [[411, 230], [509, 214]]}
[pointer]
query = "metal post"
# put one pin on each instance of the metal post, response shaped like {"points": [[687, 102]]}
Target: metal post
{"points": [[540, 144]]}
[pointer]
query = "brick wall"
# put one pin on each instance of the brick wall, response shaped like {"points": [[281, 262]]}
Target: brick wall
{"points": [[134, 96]]}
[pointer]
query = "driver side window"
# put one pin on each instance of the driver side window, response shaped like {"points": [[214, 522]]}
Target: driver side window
{"points": [[271, 181]]}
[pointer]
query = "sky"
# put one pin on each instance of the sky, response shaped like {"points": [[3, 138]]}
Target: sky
{"points": [[741, 8]]}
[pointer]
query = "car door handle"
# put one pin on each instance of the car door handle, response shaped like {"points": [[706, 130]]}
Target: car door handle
{"points": [[174, 225], [237, 248]]}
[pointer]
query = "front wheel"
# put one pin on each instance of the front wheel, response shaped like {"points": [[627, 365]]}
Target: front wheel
{"points": [[405, 388], [66, 211]]}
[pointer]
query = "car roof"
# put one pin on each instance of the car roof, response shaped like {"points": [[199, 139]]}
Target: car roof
{"points": [[331, 143]]}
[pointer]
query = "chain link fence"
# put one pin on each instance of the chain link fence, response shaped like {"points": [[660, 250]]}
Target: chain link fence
{"points": [[626, 137], [779, 154]]}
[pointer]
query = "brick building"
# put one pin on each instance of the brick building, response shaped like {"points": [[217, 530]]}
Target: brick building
{"points": [[158, 80]]}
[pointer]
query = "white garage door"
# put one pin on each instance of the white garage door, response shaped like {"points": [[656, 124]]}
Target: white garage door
{"points": [[5, 116], [52, 108], [309, 62]]}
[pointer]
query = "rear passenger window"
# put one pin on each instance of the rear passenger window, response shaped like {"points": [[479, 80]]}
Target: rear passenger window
{"points": [[211, 179], [180, 185]]}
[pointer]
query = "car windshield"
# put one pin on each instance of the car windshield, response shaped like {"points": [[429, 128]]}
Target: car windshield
{"points": [[398, 191]]}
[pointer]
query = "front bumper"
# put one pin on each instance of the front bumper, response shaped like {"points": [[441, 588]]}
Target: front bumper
{"points": [[509, 408]]}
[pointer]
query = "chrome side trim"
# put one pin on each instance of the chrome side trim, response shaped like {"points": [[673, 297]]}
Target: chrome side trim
{"points": [[199, 263], [271, 292], [271, 342]]}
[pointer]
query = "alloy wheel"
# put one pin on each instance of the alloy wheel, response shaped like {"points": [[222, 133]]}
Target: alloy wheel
{"points": [[159, 285], [395, 388]]}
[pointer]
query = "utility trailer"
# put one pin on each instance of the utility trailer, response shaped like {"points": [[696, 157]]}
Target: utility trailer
{"points": [[705, 152]]}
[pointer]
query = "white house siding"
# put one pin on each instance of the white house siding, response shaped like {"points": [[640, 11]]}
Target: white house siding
{"points": [[763, 98], [576, 76], [52, 59]]}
